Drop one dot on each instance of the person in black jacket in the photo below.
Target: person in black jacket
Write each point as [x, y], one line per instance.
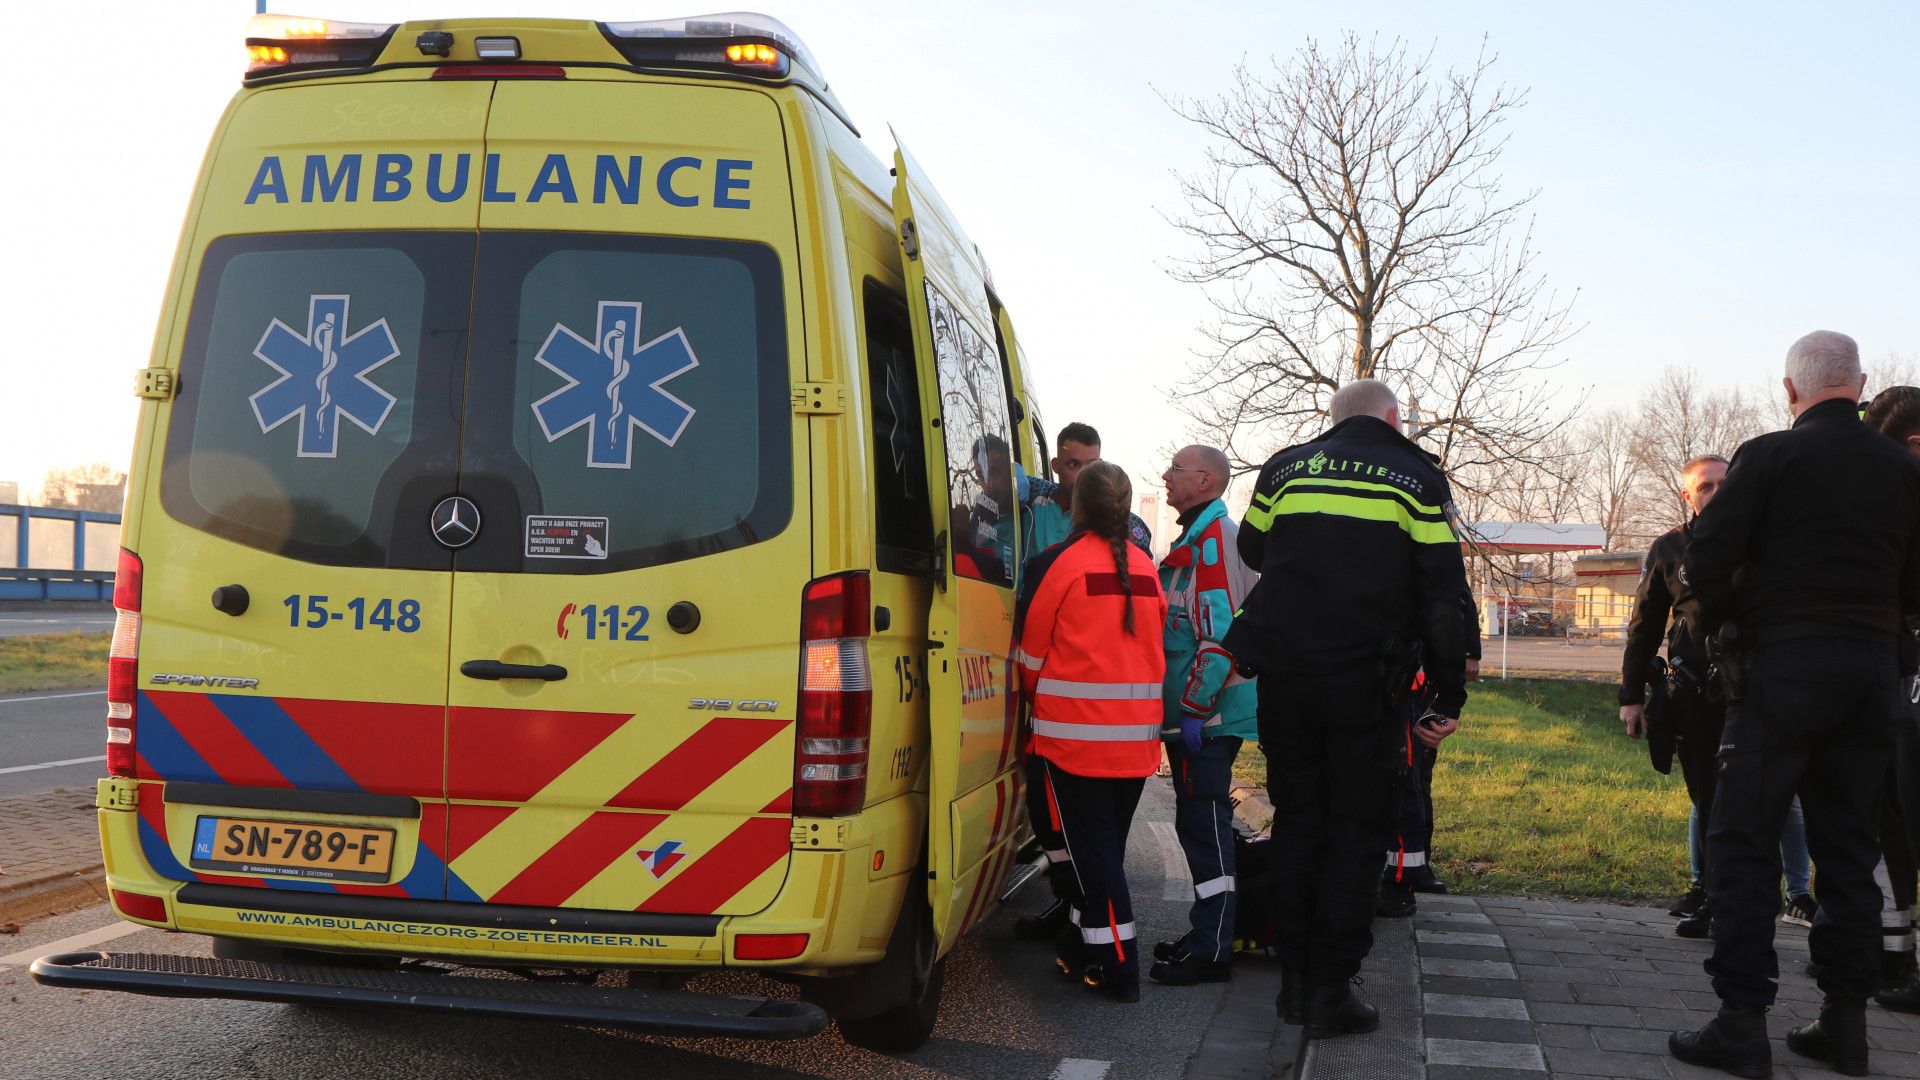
[1409, 868]
[1358, 563]
[1695, 709]
[1809, 554]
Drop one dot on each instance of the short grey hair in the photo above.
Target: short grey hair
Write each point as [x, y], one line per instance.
[1823, 360]
[1362, 397]
[1214, 461]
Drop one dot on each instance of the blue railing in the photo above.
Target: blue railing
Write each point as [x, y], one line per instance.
[60, 574]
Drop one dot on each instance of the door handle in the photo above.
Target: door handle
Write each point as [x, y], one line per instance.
[495, 669]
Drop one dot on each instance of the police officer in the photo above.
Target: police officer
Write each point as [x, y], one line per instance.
[1209, 708]
[1821, 525]
[1359, 567]
[1694, 711]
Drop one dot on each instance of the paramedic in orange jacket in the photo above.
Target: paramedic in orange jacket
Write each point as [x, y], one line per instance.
[1092, 667]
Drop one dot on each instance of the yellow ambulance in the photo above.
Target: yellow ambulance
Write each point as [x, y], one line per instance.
[572, 525]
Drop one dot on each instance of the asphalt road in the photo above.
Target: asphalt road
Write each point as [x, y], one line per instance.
[1006, 1014]
[24, 623]
[41, 729]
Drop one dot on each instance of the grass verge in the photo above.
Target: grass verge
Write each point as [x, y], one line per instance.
[76, 661]
[1540, 794]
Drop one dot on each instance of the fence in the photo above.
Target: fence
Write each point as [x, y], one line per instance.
[1582, 634]
[53, 554]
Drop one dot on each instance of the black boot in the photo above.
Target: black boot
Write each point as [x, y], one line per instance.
[1123, 988]
[1897, 969]
[1838, 1038]
[1697, 925]
[1337, 1010]
[1045, 925]
[1735, 1041]
[1396, 901]
[1904, 999]
[1292, 1002]
[1185, 969]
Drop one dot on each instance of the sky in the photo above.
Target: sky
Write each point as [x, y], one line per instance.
[1714, 179]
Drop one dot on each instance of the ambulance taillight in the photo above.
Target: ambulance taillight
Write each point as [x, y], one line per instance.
[280, 43]
[123, 660]
[836, 697]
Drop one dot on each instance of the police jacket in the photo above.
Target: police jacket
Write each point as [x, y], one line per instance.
[1205, 583]
[1821, 523]
[1351, 538]
[1663, 591]
[1095, 688]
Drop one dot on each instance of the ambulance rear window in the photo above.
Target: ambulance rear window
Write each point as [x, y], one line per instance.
[628, 398]
[311, 418]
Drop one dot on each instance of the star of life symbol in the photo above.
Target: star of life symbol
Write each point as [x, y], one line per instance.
[660, 861]
[323, 376]
[614, 385]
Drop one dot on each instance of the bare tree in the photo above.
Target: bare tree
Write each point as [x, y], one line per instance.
[1613, 483]
[95, 486]
[1678, 420]
[1351, 223]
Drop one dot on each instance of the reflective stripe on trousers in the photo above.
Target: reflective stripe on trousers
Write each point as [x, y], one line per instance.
[1204, 889]
[1105, 935]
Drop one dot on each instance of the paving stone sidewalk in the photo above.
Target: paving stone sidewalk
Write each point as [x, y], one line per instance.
[49, 854]
[1514, 989]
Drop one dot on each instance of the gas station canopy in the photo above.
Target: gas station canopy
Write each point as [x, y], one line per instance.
[1528, 538]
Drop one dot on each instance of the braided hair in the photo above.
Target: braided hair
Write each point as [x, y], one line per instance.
[1895, 412]
[1101, 499]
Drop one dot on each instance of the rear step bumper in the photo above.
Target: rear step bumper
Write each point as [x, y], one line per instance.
[663, 1012]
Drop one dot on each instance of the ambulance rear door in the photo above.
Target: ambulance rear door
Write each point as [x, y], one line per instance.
[297, 716]
[974, 778]
[625, 654]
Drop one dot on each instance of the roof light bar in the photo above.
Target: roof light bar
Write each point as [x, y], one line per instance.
[733, 40]
[277, 43]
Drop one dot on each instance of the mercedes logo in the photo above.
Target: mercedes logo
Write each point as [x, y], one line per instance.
[456, 521]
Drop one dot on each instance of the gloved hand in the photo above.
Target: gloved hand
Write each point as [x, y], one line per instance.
[1190, 726]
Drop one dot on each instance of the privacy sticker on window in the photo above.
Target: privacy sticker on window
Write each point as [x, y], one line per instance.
[566, 537]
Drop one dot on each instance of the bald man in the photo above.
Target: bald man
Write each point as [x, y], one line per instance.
[1209, 709]
[1361, 580]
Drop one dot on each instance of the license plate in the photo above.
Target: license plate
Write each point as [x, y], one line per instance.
[292, 849]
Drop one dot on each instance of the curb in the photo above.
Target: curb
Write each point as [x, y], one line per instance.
[53, 895]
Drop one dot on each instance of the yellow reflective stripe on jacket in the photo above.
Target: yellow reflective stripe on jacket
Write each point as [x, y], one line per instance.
[1392, 511]
[1366, 485]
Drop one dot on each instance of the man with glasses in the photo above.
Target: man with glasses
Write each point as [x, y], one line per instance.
[1209, 708]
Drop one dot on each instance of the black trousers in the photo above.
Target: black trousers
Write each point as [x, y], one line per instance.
[1407, 854]
[1046, 829]
[1096, 814]
[1335, 760]
[1817, 718]
[1697, 725]
[1906, 760]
